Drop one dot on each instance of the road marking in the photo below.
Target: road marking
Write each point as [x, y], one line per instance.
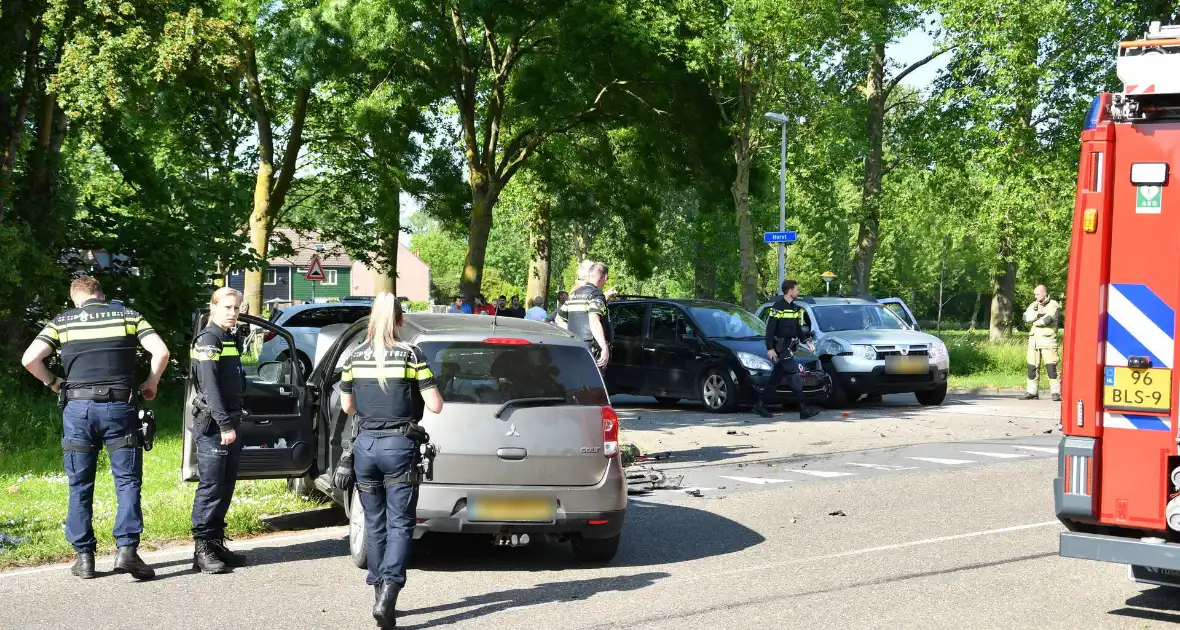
[996, 455]
[243, 545]
[820, 473]
[869, 550]
[756, 480]
[939, 460]
[881, 466]
[1039, 449]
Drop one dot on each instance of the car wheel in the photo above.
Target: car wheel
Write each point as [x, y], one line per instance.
[358, 536]
[304, 362]
[595, 550]
[932, 397]
[305, 487]
[718, 392]
[837, 395]
[664, 401]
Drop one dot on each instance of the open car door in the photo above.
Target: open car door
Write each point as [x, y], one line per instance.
[278, 434]
[903, 312]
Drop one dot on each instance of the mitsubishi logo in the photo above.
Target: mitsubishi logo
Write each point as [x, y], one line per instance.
[512, 431]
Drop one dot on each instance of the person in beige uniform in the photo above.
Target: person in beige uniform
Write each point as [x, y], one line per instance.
[1043, 315]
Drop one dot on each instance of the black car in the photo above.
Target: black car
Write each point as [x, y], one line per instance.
[703, 350]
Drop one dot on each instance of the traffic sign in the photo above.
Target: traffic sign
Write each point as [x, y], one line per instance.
[780, 237]
[315, 271]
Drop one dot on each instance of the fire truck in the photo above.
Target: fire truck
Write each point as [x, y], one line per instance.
[1117, 489]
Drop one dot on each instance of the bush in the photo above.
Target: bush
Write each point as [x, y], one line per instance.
[418, 306]
[30, 415]
[972, 353]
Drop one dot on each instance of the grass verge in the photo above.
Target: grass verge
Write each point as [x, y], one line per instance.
[34, 493]
[976, 363]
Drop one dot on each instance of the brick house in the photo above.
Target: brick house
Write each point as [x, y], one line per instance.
[283, 277]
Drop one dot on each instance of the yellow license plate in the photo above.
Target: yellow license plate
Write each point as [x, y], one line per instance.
[906, 365]
[1137, 389]
[514, 509]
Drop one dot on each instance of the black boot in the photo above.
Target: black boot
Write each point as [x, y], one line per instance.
[384, 608]
[205, 559]
[761, 410]
[1030, 397]
[223, 553]
[128, 561]
[1056, 397]
[84, 565]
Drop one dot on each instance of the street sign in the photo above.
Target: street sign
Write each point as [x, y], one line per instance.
[780, 237]
[315, 271]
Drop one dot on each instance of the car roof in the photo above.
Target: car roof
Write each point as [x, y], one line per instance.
[296, 308]
[827, 301]
[689, 302]
[458, 326]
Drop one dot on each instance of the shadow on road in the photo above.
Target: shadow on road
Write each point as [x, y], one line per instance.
[1161, 604]
[262, 556]
[680, 534]
[550, 592]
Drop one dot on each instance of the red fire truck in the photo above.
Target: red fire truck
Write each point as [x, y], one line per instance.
[1118, 484]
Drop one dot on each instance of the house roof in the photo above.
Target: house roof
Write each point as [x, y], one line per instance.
[332, 254]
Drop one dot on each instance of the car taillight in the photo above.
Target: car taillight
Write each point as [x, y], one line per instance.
[268, 336]
[610, 432]
[507, 341]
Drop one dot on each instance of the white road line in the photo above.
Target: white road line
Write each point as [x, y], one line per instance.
[869, 550]
[996, 455]
[939, 460]
[820, 473]
[244, 545]
[881, 466]
[1039, 449]
[756, 480]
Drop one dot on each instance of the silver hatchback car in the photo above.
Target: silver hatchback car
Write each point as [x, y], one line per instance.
[527, 442]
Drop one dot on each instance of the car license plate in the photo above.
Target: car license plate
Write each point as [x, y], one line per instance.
[1137, 389]
[906, 365]
[510, 509]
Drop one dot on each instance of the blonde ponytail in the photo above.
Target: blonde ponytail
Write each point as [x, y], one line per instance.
[383, 322]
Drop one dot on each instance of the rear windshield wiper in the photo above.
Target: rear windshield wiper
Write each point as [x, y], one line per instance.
[522, 402]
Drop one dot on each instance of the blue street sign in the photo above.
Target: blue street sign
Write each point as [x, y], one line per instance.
[780, 237]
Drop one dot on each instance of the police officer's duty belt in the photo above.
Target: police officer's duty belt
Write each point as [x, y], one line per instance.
[101, 394]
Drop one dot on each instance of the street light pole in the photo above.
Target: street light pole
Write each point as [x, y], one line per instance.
[782, 197]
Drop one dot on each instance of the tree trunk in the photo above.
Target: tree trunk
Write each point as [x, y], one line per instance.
[975, 311]
[540, 241]
[870, 204]
[389, 219]
[259, 234]
[704, 272]
[1002, 294]
[483, 200]
[749, 261]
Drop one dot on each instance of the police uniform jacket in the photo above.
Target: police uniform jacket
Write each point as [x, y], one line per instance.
[400, 402]
[220, 375]
[584, 301]
[784, 328]
[97, 342]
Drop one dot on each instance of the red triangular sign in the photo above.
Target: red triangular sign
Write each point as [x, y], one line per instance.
[315, 271]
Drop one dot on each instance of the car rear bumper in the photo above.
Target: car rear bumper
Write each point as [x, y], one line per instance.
[878, 381]
[594, 511]
[1119, 550]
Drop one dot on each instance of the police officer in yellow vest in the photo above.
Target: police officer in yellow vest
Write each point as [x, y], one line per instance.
[97, 341]
[1043, 315]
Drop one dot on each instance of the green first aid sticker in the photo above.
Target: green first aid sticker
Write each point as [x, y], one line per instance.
[1148, 199]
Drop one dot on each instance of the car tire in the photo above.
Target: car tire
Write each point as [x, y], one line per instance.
[358, 535]
[594, 550]
[305, 487]
[304, 362]
[665, 401]
[932, 397]
[717, 391]
[837, 395]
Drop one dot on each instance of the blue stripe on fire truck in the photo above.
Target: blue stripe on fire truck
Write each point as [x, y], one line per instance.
[1135, 421]
[1138, 323]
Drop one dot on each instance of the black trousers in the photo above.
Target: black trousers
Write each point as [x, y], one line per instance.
[217, 466]
[789, 367]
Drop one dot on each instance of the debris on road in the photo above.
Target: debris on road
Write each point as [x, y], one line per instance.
[694, 492]
[837, 513]
[642, 479]
[735, 432]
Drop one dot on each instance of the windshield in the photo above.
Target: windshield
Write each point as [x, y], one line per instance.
[732, 322]
[856, 317]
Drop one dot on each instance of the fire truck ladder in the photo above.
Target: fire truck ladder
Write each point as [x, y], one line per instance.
[1150, 71]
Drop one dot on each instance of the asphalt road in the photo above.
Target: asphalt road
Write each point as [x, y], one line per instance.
[912, 543]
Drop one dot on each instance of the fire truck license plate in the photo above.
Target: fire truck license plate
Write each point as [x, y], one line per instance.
[1146, 389]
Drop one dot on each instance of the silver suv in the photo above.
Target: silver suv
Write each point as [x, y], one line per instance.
[871, 347]
[527, 441]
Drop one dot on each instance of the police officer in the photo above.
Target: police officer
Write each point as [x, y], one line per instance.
[583, 313]
[220, 378]
[97, 342]
[784, 332]
[1043, 315]
[388, 384]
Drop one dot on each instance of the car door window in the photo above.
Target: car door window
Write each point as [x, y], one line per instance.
[627, 320]
[667, 323]
[320, 317]
[897, 310]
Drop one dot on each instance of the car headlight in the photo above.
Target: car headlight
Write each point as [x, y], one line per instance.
[938, 350]
[868, 353]
[831, 347]
[753, 361]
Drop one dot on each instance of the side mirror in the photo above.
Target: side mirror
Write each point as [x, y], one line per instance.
[274, 372]
[805, 330]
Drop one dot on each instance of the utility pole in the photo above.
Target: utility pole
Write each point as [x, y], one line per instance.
[782, 197]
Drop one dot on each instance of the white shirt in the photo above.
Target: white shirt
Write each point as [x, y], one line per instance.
[536, 314]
